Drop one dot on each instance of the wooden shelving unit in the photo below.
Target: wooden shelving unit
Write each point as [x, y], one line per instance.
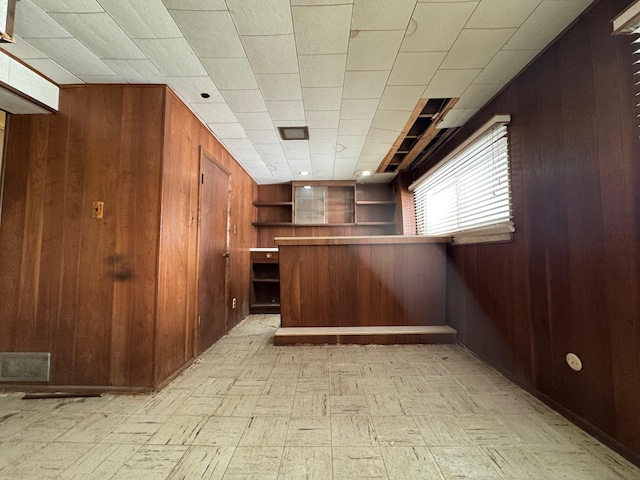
[265, 281]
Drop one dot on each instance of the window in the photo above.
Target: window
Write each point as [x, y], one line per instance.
[468, 194]
[628, 23]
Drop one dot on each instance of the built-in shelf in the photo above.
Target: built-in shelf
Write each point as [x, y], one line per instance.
[375, 202]
[372, 224]
[273, 204]
[265, 281]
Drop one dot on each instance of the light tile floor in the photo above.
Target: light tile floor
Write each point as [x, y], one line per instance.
[249, 410]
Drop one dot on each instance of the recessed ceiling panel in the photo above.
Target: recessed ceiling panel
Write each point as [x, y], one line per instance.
[323, 119]
[354, 127]
[227, 130]
[214, 112]
[54, 71]
[502, 13]
[261, 17]
[450, 83]
[255, 121]
[72, 55]
[76, 6]
[365, 84]
[323, 135]
[475, 48]
[271, 53]
[286, 109]
[263, 137]
[210, 33]
[231, 73]
[191, 88]
[376, 14]
[322, 70]
[322, 98]
[373, 50]
[280, 86]
[400, 97]
[355, 108]
[505, 65]
[100, 34]
[415, 68]
[136, 71]
[435, 26]
[322, 30]
[142, 18]
[241, 101]
[32, 22]
[172, 56]
[391, 120]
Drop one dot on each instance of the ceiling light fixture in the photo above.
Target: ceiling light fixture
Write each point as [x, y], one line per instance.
[304, 173]
[205, 95]
[366, 173]
[294, 133]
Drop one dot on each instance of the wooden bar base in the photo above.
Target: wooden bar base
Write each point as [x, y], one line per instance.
[380, 335]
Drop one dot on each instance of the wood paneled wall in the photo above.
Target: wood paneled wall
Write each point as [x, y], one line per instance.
[83, 288]
[184, 137]
[113, 300]
[570, 281]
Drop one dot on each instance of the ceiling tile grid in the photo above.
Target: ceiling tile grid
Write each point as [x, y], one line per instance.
[350, 70]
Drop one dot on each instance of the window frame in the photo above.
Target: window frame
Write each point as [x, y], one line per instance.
[499, 232]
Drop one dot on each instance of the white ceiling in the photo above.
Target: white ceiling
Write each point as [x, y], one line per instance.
[352, 70]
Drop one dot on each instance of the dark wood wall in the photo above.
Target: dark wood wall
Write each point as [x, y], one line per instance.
[570, 280]
[184, 138]
[113, 300]
[83, 288]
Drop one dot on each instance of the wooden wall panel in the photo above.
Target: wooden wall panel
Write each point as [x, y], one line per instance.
[570, 280]
[83, 287]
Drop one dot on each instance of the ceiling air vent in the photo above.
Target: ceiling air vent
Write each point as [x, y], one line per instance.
[294, 133]
[419, 134]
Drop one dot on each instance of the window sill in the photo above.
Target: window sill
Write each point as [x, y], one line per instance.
[502, 233]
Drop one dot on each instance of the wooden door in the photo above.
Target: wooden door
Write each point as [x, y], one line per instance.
[213, 248]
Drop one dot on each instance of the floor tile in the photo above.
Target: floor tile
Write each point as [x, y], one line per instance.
[102, 461]
[410, 463]
[199, 405]
[178, 430]
[464, 462]
[442, 431]
[358, 462]
[151, 462]
[222, 431]
[237, 406]
[385, 405]
[309, 405]
[48, 462]
[137, 429]
[397, 431]
[308, 463]
[265, 432]
[353, 432]
[276, 405]
[309, 432]
[349, 405]
[202, 462]
[255, 463]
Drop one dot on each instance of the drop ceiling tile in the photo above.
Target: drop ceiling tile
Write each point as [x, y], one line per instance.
[377, 135]
[230, 73]
[345, 164]
[373, 50]
[355, 108]
[247, 156]
[369, 161]
[195, 4]
[435, 26]
[322, 70]
[22, 77]
[321, 2]
[101, 79]
[323, 176]
[261, 17]
[545, 23]
[136, 71]
[501, 13]
[255, 121]
[322, 29]
[289, 123]
[322, 148]
[298, 156]
[70, 54]
[415, 68]
[457, 117]
[377, 149]
[354, 127]
[286, 109]
[505, 65]
[214, 112]
[270, 151]
[142, 18]
[22, 49]
[364, 84]
[323, 135]
[52, 70]
[172, 56]
[239, 145]
[381, 14]
[323, 119]
[75, 6]
[400, 97]
[263, 137]
[32, 22]
[450, 83]
[244, 100]
[391, 119]
[227, 130]
[476, 96]
[348, 155]
[100, 34]
[271, 53]
[475, 48]
[280, 86]
[351, 141]
[210, 33]
[190, 88]
[322, 98]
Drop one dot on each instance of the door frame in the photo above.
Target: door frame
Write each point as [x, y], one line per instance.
[206, 156]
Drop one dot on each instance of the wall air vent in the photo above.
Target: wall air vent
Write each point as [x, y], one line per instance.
[24, 366]
[419, 134]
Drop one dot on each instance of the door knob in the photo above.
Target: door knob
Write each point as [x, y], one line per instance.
[226, 254]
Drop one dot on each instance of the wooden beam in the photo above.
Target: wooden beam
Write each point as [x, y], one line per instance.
[427, 136]
[394, 148]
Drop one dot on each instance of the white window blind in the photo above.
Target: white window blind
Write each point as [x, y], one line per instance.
[636, 73]
[469, 190]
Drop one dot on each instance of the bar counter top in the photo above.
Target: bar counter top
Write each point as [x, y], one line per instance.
[365, 240]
